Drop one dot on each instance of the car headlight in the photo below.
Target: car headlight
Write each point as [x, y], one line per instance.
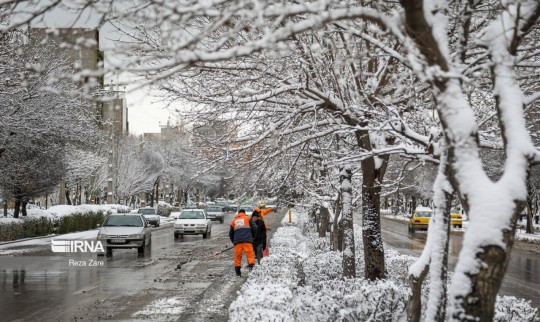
[135, 236]
[101, 236]
[201, 225]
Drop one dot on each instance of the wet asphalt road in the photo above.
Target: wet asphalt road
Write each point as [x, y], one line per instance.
[522, 278]
[187, 276]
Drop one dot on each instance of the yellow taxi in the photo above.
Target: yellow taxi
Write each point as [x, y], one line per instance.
[456, 220]
[420, 219]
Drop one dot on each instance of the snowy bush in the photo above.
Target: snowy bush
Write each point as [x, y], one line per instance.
[57, 219]
[27, 226]
[511, 309]
[38, 222]
[164, 209]
[80, 221]
[302, 280]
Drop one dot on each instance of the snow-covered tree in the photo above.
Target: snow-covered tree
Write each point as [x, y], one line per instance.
[470, 55]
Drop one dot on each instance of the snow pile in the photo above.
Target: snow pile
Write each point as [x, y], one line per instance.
[167, 306]
[302, 281]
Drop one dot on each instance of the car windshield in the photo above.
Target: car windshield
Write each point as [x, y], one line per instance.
[131, 221]
[187, 214]
[147, 211]
[214, 209]
[455, 211]
[423, 214]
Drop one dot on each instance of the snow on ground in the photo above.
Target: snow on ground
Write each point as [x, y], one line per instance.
[301, 281]
[167, 306]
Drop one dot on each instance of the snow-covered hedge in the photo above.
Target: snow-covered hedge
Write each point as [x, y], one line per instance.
[302, 280]
[164, 209]
[57, 219]
[11, 229]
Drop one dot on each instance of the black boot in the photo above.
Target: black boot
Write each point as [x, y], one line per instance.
[237, 270]
[250, 266]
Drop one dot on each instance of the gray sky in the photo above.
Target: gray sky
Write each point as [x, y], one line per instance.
[145, 114]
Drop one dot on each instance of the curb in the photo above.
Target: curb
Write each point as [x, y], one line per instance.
[25, 239]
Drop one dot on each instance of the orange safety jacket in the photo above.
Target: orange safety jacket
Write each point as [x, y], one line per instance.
[242, 229]
[264, 212]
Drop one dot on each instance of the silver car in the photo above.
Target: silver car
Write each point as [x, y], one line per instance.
[151, 215]
[125, 231]
[215, 213]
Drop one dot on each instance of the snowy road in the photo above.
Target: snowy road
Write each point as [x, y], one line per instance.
[178, 280]
[521, 280]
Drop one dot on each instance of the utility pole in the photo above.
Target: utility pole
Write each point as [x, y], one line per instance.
[111, 174]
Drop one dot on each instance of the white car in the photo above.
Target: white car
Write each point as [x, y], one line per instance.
[215, 212]
[151, 215]
[125, 231]
[193, 222]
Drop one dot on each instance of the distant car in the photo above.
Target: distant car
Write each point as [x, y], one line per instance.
[248, 208]
[193, 222]
[216, 213]
[151, 215]
[420, 219]
[125, 231]
[190, 206]
[223, 205]
[456, 220]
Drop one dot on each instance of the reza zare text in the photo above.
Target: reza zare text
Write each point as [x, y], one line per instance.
[89, 262]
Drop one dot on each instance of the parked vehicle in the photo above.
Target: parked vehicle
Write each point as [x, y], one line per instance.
[224, 205]
[125, 231]
[456, 219]
[193, 222]
[151, 215]
[215, 212]
[420, 219]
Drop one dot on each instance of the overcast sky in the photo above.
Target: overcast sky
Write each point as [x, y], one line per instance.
[145, 113]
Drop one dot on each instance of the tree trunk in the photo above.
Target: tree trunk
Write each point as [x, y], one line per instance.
[438, 239]
[414, 303]
[17, 208]
[336, 227]
[68, 198]
[23, 208]
[529, 229]
[324, 215]
[373, 244]
[5, 208]
[349, 258]
[478, 304]
[372, 177]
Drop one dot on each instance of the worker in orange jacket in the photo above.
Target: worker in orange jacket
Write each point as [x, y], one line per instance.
[242, 232]
[264, 211]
